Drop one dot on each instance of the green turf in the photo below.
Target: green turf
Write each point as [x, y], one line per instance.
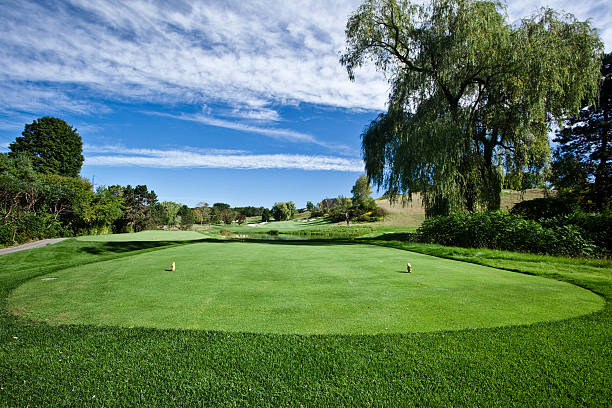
[550, 364]
[304, 288]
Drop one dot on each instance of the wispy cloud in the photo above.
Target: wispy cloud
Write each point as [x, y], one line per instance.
[189, 159]
[248, 55]
[276, 133]
[224, 51]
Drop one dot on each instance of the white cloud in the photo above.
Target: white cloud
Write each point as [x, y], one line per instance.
[189, 159]
[276, 133]
[248, 55]
[229, 52]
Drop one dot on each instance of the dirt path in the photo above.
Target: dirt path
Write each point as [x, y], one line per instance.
[31, 245]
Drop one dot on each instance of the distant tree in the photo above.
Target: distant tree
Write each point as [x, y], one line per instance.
[106, 209]
[197, 215]
[240, 218]
[169, 213]
[215, 215]
[69, 200]
[221, 206]
[584, 144]
[138, 203]
[249, 211]
[227, 215]
[187, 218]
[569, 172]
[53, 146]
[343, 210]
[292, 210]
[327, 204]
[310, 206]
[472, 95]
[265, 215]
[361, 195]
[283, 211]
[279, 211]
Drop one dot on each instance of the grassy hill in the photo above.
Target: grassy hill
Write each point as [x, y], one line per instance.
[412, 213]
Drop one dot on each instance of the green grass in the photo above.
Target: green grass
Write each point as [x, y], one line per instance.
[144, 236]
[296, 288]
[561, 363]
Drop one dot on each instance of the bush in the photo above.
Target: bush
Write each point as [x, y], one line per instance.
[596, 227]
[546, 207]
[498, 230]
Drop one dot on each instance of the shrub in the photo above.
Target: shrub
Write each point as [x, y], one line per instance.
[498, 230]
[596, 227]
[545, 207]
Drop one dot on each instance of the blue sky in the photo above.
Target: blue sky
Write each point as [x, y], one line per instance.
[216, 101]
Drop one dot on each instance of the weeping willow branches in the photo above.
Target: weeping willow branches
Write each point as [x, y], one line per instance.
[472, 96]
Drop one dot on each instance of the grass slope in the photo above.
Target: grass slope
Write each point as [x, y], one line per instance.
[298, 287]
[563, 363]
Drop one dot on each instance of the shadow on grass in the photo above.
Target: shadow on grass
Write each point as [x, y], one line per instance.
[101, 248]
[395, 236]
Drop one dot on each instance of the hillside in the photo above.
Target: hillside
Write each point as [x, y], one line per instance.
[412, 213]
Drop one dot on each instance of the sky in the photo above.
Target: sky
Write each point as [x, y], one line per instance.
[242, 102]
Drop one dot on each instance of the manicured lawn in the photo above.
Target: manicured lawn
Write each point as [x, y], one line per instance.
[148, 236]
[296, 288]
[560, 363]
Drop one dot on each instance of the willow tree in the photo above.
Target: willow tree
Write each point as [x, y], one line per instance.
[472, 96]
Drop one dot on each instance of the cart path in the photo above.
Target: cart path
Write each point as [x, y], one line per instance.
[31, 245]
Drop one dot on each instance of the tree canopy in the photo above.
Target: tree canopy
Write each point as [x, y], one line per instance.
[53, 146]
[584, 151]
[283, 211]
[472, 96]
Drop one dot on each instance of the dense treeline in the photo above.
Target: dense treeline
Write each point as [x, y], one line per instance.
[36, 205]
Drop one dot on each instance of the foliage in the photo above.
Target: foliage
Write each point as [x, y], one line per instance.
[266, 215]
[138, 204]
[472, 95]
[498, 230]
[53, 146]
[37, 206]
[240, 218]
[249, 211]
[227, 215]
[221, 206]
[545, 207]
[595, 227]
[187, 218]
[215, 215]
[583, 157]
[106, 209]
[361, 193]
[568, 172]
[310, 206]
[283, 211]
[169, 210]
[342, 210]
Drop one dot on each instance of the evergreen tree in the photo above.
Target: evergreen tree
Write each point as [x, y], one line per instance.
[584, 145]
